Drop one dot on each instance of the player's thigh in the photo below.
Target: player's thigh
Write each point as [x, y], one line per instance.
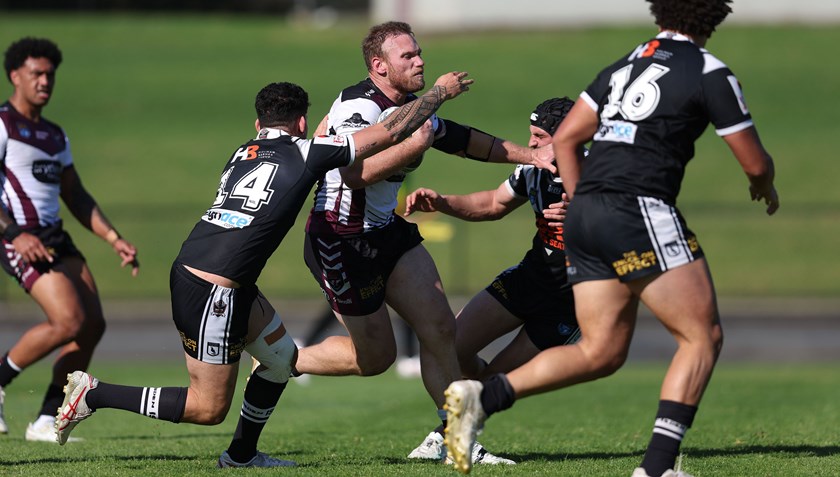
[56, 293]
[519, 351]
[211, 384]
[606, 312]
[683, 299]
[372, 335]
[482, 320]
[79, 272]
[415, 291]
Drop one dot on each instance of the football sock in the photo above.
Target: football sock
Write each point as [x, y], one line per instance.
[261, 397]
[159, 403]
[52, 400]
[497, 394]
[8, 370]
[672, 421]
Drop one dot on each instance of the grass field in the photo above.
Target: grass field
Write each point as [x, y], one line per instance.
[757, 421]
[155, 104]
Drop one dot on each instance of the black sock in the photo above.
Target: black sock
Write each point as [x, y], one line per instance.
[672, 421]
[261, 397]
[440, 429]
[160, 403]
[53, 399]
[7, 372]
[497, 394]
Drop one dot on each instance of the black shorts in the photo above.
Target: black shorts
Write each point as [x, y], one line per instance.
[626, 237]
[212, 320]
[548, 312]
[352, 270]
[56, 240]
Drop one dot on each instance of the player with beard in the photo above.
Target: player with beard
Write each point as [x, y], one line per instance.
[365, 256]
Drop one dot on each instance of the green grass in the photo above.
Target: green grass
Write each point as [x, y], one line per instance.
[155, 104]
[756, 420]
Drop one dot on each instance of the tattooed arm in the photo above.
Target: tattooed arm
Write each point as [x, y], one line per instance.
[408, 118]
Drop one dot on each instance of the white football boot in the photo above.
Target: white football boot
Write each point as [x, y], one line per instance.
[43, 430]
[465, 417]
[4, 429]
[433, 448]
[74, 409]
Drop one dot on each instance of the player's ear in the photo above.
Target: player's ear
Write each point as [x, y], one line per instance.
[257, 124]
[378, 66]
[302, 126]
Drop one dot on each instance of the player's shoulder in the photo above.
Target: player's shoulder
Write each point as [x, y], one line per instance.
[365, 90]
[712, 63]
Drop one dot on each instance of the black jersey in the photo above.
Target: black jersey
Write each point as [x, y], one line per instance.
[262, 189]
[547, 253]
[653, 105]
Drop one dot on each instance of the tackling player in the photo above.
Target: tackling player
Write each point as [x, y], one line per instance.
[625, 239]
[217, 308]
[365, 256]
[36, 168]
[535, 295]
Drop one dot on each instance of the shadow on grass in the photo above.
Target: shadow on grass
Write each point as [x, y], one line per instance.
[810, 450]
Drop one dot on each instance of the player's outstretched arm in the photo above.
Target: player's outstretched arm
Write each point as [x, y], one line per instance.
[82, 205]
[409, 117]
[476, 207]
[757, 164]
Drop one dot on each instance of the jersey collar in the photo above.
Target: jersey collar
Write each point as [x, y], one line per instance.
[271, 133]
[673, 35]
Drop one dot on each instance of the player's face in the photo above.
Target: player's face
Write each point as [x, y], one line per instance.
[539, 137]
[34, 81]
[405, 66]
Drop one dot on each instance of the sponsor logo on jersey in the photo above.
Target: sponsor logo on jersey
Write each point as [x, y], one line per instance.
[736, 88]
[24, 131]
[228, 219]
[616, 131]
[47, 171]
[354, 121]
[246, 153]
[330, 140]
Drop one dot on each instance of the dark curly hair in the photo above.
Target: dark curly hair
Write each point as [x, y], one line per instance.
[691, 17]
[29, 47]
[281, 104]
[548, 114]
[372, 44]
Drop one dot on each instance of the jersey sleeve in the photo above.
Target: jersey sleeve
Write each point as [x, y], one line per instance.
[723, 98]
[4, 139]
[347, 117]
[329, 152]
[65, 156]
[594, 94]
[517, 184]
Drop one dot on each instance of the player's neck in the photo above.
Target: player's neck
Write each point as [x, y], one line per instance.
[395, 95]
[25, 108]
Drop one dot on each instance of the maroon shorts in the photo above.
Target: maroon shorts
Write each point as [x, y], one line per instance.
[353, 270]
[57, 242]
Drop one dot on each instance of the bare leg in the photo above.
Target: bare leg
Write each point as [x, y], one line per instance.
[415, 291]
[481, 321]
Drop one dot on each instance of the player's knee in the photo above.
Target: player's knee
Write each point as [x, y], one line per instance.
[606, 360]
[276, 351]
[372, 364]
[210, 414]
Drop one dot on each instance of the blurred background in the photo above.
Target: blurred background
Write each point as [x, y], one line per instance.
[155, 95]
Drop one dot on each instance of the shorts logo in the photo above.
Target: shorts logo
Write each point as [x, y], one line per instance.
[673, 249]
[213, 349]
[219, 308]
[228, 219]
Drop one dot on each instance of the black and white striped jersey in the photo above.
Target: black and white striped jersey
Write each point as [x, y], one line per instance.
[262, 189]
[653, 104]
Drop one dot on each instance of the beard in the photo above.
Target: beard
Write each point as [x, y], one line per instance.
[407, 83]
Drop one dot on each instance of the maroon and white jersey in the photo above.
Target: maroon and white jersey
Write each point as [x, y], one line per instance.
[337, 208]
[33, 156]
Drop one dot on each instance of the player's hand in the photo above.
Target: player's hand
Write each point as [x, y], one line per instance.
[556, 212]
[321, 130]
[770, 197]
[128, 255]
[425, 134]
[543, 158]
[454, 83]
[31, 248]
[423, 200]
